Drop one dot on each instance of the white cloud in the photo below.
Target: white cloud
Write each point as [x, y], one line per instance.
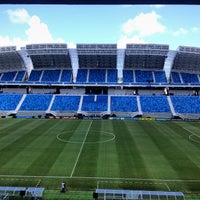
[195, 29]
[144, 25]
[136, 29]
[180, 31]
[18, 16]
[37, 31]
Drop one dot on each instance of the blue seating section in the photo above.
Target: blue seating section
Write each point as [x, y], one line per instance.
[175, 77]
[9, 101]
[128, 76]
[20, 76]
[8, 76]
[66, 103]
[93, 103]
[97, 75]
[160, 77]
[123, 104]
[186, 104]
[143, 76]
[82, 76]
[36, 102]
[51, 75]
[112, 76]
[189, 78]
[35, 75]
[66, 76]
[157, 104]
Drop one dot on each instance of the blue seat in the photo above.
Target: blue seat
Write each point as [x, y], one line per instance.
[123, 104]
[95, 103]
[35, 75]
[186, 104]
[112, 76]
[65, 103]
[34, 102]
[9, 101]
[154, 104]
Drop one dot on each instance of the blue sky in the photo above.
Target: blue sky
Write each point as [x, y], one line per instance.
[121, 24]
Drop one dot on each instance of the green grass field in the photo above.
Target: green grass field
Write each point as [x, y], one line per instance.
[144, 155]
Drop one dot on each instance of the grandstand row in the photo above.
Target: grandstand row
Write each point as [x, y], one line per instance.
[142, 80]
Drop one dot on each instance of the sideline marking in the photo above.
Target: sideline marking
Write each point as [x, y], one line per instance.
[81, 149]
[104, 178]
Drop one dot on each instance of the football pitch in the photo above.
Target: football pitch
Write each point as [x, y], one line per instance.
[107, 154]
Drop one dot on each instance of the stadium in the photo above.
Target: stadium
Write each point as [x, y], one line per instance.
[113, 123]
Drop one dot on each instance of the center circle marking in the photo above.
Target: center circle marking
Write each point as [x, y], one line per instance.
[108, 134]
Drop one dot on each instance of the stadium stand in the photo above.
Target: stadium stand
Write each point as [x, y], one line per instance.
[51, 75]
[112, 76]
[124, 104]
[34, 102]
[66, 103]
[66, 76]
[35, 75]
[95, 103]
[145, 80]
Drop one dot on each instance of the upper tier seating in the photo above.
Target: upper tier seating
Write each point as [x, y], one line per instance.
[20, 76]
[154, 104]
[143, 76]
[35, 75]
[9, 101]
[36, 102]
[51, 75]
[93, 103]
[66, 76]
[186, 104]
[65, 103]
[8, 76]
[97, 75]
[175, 77]
[160, 77]
[123, 104]
[82, 76]
[128, 76]
[112, 76]
[189, 78]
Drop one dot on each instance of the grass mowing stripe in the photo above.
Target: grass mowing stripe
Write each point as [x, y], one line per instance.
[176, 157]
[18, 142]
[154, 161]
[11, 128]
[107, 164]
[81, 149]
[129, 158]
[46, 155]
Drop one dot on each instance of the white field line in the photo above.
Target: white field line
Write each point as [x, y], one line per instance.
[191, 133]
[101, 178]
[81, 149]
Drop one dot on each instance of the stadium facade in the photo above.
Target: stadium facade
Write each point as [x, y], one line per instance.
[100, 80]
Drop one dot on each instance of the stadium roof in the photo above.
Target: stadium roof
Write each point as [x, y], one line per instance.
[10, 59]
[145, 56]
[187, 59]
[97, 55]
[49, 55]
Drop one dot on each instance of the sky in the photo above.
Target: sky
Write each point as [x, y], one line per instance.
[173, 25]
